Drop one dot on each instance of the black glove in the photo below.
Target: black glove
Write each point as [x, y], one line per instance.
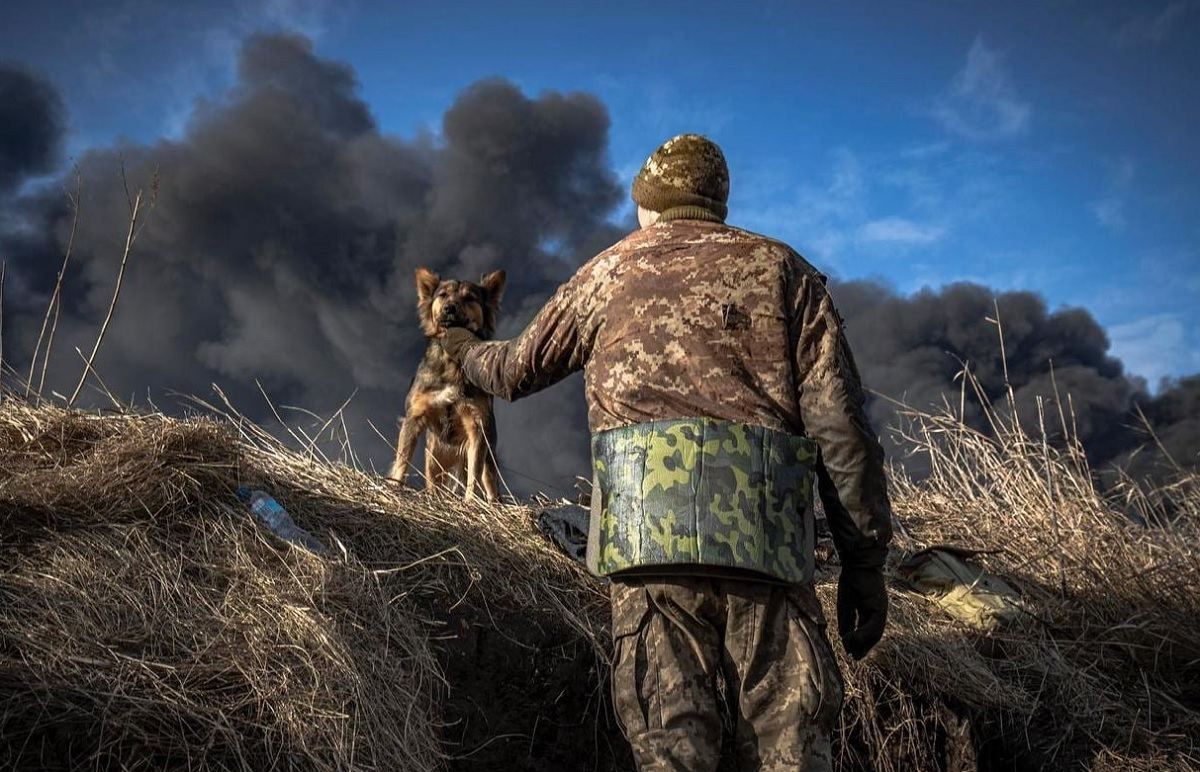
[456, 341]
[862, 604]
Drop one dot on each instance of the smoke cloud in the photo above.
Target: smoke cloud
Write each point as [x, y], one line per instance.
[287, 226]
[31, 126]
[913, 349]
[284, 236]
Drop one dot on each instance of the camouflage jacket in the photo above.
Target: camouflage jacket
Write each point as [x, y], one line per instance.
[688, 318]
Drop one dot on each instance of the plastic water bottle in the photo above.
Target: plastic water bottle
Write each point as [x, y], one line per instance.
[271, 513]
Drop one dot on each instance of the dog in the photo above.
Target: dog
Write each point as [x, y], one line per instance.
[457, 418]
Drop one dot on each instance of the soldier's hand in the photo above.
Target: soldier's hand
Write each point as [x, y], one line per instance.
[862, 604]
[456, 341]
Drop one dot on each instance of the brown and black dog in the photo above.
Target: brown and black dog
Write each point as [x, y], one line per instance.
[456, 417]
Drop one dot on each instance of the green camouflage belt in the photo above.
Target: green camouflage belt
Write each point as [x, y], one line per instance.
[698, 491]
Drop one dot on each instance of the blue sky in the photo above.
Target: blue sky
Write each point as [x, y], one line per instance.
[1047, 146]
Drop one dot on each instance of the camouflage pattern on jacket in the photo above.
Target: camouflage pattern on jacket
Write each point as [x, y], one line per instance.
[673, 640]
[701, 491]
[688, 318]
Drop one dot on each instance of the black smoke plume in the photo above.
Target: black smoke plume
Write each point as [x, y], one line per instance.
[286, 229]
[285, 235]
[914, 349]
[31, 126]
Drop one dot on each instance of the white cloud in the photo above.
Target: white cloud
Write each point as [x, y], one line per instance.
[1152, 29]
[981, 102]
[667, 108]
[1110, 213]
[1156, 346]
[898, 230]
[1109, 209]
[833, 219]
[844, 193]
[213, 65]
[307, 16]
[925, 150]
[818, 219]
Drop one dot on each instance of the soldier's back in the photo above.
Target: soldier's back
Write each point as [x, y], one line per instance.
[689, 318]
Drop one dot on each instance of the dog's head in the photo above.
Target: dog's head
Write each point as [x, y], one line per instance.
[447, 303]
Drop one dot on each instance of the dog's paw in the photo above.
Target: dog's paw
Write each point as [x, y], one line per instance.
[398, 482]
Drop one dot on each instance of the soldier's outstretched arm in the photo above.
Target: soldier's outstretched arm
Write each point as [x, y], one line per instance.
[548, 350]
[851, 476]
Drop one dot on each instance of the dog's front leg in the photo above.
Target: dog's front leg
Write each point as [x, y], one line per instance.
[491, 475]
[434, 471]
[475, 460]
[406, 443]
[473, 466]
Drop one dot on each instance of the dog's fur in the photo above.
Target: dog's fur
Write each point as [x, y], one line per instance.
[456, 417]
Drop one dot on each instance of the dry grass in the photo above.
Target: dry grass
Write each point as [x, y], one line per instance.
[146, 622]
[1105, 671]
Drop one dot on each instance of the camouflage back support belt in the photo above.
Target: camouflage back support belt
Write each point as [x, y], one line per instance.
[699, 491]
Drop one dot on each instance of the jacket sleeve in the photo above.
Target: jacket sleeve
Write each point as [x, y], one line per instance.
[850, 476]
[548, 350]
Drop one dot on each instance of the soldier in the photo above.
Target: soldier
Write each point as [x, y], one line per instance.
[719, 385]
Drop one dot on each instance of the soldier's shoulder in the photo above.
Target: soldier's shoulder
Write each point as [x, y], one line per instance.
[616, 251]
[632, 246]
[604, 264]
[785, 252]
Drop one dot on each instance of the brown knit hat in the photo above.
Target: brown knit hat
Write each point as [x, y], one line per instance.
[687, 170]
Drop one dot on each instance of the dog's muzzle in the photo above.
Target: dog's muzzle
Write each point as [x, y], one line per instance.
[448, 319]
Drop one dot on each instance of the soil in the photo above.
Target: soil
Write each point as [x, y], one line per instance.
[524, 697]
[527, 698]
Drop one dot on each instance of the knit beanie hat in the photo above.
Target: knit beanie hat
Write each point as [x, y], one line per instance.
[687, 170]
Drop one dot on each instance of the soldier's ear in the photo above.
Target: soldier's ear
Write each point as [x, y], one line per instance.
[427, 284]
[493, 286]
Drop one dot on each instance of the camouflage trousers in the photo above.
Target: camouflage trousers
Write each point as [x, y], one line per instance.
[673, 639]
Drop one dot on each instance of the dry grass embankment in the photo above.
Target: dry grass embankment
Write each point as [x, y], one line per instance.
[147, 623]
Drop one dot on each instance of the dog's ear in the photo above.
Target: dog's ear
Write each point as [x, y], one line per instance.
[493, 287]
[427, 284]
